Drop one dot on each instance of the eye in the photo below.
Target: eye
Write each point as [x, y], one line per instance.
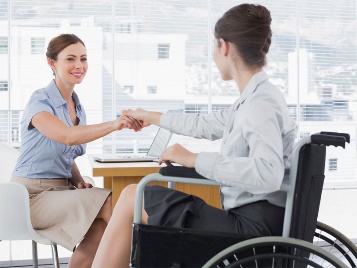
[70, 59]
[83, 59]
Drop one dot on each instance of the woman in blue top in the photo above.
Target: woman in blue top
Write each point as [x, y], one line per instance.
[257, 136]
[63, 207]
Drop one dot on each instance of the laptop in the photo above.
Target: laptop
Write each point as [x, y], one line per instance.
[157, 146]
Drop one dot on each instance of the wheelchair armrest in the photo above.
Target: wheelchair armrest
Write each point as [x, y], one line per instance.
[180, 171]
[330, 138]
[158, 177]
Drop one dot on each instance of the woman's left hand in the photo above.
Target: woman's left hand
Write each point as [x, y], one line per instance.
[178, 154]
[83, 185]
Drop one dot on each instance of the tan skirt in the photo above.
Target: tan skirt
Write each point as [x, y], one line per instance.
[59, 211]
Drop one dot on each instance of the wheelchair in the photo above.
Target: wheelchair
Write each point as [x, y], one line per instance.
[305, 242]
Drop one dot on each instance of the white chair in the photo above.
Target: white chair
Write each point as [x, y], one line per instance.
[15, 223]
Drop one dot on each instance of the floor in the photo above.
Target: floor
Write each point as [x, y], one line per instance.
[43, 263]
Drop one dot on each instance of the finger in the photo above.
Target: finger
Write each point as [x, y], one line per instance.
[127, 121]
[137, 125]
[168, 163]
[132, 124]
[80, 185]
[128, 112]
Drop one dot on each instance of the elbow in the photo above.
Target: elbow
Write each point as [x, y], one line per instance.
[70, 141]
[275, 180]
[275, 186]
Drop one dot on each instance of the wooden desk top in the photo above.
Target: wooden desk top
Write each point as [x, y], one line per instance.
[123, 169]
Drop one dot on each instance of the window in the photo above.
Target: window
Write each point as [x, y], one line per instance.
[125, 28]
[15, 135]
[129, 89]
[163, 51]
[137, 47]
[38, 45]
[152, 89]
[4, 86]
[3, 45]
[332, 164]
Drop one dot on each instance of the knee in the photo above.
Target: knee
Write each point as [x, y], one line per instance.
[128, 192]
[127, 196]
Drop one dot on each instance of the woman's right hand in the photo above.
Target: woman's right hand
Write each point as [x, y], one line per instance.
[127, 121]
[178, 154]
[146, 118]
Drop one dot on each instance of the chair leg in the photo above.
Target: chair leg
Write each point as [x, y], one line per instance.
[55, 256]
[34, 254]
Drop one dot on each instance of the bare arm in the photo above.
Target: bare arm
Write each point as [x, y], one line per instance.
[54, 128]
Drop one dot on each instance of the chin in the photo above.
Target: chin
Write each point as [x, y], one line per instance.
[226, 78]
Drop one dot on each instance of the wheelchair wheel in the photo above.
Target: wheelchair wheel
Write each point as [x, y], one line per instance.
[331, 240]
[274, 252]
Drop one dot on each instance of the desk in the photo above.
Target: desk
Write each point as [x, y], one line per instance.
[118, 175]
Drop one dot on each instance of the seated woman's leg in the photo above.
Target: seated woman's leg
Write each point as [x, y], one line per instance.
[114, 249]
[84, 253]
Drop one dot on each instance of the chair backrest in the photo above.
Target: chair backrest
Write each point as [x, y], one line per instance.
[308, 190]
[309, 176]
[8, 158]
[15, 221]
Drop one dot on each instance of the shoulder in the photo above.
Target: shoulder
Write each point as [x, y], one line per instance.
[39, 94]
[40, 100]
[266, 92]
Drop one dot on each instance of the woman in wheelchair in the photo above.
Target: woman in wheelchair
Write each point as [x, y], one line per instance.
[257, 136]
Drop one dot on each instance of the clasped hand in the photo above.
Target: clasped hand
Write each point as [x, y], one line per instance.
[128, 122]
[172, 154]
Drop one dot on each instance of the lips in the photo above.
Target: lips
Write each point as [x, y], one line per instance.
[78, 75]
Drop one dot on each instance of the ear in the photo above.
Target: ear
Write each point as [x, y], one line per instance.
[51, 63]
[224, 46]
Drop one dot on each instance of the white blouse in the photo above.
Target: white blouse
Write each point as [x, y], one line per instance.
[257, 138]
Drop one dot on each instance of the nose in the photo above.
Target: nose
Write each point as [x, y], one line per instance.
[79, 65]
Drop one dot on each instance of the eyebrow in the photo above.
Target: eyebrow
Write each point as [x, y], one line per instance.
[70, 55]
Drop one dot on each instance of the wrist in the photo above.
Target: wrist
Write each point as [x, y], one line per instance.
[154, 118]
[114, 125]
[192, 160]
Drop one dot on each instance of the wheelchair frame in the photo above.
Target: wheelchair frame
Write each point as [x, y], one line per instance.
[323, 138]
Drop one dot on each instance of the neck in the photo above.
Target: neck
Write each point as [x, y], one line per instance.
[65, 90]
[243, 77]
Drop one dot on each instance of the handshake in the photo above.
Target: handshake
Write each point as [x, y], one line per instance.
[137, 119]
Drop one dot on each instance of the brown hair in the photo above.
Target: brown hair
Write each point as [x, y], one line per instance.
[57, 44]
[247, 27]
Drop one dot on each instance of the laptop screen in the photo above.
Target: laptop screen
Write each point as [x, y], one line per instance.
[159, 143]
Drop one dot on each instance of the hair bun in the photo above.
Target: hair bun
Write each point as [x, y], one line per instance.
[259, 12]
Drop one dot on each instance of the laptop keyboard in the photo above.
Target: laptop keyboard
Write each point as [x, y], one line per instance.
[133, 156]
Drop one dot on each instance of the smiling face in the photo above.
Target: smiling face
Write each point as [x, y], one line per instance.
[71, 65]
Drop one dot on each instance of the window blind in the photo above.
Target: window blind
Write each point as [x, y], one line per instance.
[157, 55]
